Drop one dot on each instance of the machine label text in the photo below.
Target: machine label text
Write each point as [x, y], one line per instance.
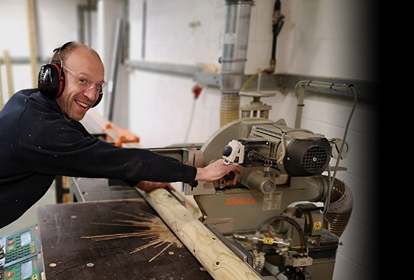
[272, 201]
[240, 200]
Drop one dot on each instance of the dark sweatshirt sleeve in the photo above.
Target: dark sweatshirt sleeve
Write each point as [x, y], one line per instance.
[52, 145]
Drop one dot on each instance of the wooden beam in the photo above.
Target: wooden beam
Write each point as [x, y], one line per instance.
[1, 89]
[9, 72]
[31, 19]
[212, 253]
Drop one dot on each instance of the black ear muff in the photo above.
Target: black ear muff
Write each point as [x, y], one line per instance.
[51, 80]
[98, 100]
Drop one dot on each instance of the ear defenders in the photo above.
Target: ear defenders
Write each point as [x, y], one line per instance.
[51, 78]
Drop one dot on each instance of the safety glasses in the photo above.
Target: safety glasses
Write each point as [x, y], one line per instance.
[85, 83]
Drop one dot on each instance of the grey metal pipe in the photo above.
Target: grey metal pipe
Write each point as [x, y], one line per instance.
[236, 35]
[144, 29]
[316, 84]
[81, 22]
[116, 58]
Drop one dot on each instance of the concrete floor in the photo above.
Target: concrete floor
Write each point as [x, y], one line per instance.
[29, 218]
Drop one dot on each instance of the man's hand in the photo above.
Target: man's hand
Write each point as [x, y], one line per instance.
[148, 186]
[216, 171]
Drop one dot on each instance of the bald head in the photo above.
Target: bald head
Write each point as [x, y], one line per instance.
[68, 49]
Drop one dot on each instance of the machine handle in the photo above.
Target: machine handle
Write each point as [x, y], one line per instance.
[229, 176]
[193, 184]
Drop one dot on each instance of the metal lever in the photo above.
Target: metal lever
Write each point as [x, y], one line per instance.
[229, 176]
[193, 184]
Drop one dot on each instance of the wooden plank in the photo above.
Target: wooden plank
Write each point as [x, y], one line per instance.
[70, 250]
[9, 71]
[213, 254]
[1, 89]
[31, 20]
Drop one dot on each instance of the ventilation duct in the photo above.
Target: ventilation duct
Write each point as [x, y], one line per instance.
[236, 35]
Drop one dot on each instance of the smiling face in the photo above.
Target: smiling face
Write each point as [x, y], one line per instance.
[83, 65]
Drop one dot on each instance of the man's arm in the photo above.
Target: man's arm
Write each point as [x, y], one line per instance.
[213, 172]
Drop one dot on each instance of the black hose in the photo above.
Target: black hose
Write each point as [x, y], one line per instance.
[255, 156]
[277, 26]
[340, 208]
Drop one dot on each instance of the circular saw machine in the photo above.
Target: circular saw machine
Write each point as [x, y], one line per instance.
[275, 213]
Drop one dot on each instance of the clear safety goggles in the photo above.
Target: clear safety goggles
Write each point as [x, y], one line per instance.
[85, 83]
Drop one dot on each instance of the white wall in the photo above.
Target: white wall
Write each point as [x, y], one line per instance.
[326, 38]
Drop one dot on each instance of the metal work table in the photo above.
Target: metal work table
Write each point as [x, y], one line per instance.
[68, 254]
[85, 189]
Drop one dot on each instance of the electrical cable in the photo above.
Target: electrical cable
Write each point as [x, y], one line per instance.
[255, 156]
[291, 221]
[345, 134]
[296, 225]
[301, 237]
[190, 121]
[247, 82]
[328, 195]
[197, 91]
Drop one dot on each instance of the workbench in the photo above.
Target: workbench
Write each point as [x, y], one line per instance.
[70, 252]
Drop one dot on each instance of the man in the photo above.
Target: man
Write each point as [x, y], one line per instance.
[41, 137]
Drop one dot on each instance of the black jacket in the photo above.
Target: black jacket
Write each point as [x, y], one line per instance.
[37, 143]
